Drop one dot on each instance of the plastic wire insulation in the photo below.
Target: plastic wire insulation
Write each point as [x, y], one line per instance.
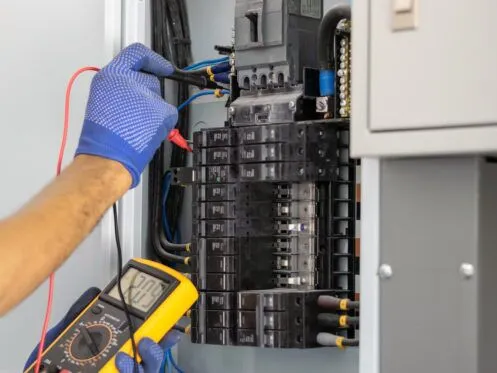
[173, 362]
[51, 282]
[205, 63]
[66, 112]
[223, 78]
[169, 242]
[223, 67]
[168, 361]
[334, 303]
[171, 39]
[166, 182]
[353, 305]
[333, 320]
[158, 237]
[326, 33]
[200, 94]
[332, 340]
[119, 287]
[351, 343]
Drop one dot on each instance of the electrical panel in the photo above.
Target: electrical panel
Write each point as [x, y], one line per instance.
[276, 194]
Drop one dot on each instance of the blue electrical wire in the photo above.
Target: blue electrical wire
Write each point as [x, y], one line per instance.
[206, 63]
[200, 94]
[168, 361]
[171, 360]
[164, 362]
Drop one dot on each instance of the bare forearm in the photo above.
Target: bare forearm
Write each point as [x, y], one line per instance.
[41, 236]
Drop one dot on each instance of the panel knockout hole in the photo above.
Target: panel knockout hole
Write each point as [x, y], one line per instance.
[298, 301]
[299, 339]
[298, 320]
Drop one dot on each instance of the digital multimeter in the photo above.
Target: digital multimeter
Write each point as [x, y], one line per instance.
[157, 297]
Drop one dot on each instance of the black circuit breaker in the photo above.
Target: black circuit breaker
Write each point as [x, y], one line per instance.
[266, 216]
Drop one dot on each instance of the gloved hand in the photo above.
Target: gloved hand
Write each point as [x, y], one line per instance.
[126, 118]
[78, 307]
[151, 353]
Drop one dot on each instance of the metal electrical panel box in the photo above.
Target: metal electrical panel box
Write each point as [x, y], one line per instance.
[424, 80]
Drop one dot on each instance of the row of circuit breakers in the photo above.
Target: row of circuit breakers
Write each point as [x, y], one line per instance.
[275, 193]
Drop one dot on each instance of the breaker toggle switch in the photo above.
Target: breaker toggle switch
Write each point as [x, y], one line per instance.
[405, 14]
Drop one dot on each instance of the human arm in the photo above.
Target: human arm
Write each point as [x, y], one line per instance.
[126, 120]
[41, 236]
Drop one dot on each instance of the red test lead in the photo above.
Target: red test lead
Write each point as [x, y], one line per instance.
[176, 138]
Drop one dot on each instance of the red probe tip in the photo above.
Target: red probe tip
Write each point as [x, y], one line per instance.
[176, 138]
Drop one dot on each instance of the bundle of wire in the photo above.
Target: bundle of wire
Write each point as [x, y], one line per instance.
[206, 63]
[171, 39]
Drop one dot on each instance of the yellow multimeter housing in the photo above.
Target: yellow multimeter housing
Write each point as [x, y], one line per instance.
[157, 297]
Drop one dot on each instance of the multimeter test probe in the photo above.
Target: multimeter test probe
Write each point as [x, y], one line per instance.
[157, 297]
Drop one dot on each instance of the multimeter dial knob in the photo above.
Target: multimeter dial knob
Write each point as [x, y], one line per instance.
[90, 342]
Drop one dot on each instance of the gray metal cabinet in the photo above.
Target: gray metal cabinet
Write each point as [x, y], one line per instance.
[428, 85]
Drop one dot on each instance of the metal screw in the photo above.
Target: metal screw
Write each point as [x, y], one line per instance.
[385, 272]
[291, 105]
[301, 171]
[303, 281]
[467, 270]
[231, 110]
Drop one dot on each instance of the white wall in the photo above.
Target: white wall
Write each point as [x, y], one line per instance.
[42, 43]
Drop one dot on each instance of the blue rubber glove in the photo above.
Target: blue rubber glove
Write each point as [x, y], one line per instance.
[151, 353]
[126, 118]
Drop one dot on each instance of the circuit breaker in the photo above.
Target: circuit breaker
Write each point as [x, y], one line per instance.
[275, 192]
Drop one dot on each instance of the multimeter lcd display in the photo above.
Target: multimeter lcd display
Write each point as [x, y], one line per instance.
[141, 290]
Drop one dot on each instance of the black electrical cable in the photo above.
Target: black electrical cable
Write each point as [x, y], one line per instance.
[168, 41]
[332, 320]
[156, 230]
[332, 340]
[179, 37]
[326, 33]
[120, 290]
[334, 303]
[351, 342]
